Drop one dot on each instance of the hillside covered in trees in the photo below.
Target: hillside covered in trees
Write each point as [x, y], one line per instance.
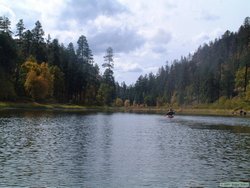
[217, 72]
[36, 68]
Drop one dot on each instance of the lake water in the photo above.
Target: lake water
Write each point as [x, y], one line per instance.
[48, 149]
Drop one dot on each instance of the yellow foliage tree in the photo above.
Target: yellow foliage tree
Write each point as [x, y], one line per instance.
[39, 81]
[118, 102]
[127, 103]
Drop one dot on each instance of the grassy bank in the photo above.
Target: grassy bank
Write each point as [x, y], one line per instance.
[158, 110]
[56, 107]
[42, 106]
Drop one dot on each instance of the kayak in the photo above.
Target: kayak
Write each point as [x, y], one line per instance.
[170, 116]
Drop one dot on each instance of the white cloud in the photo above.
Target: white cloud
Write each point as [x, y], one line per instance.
[130, 67]
[120, 39]
[6, 11]
[202, 37]
[208, 16]
[90, 9]
[205, 37]
[159, 41]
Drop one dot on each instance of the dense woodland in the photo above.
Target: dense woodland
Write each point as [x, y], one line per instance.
[217, 73]
[37, 68]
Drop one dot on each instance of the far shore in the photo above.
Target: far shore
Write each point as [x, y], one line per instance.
[157, 110]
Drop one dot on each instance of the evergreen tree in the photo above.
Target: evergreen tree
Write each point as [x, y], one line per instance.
[54, 55]
[108, 58]
[107, 87]
[5, 25]
[8, 58]
[20, 29]
[27, 44]
[38, 33]
[38, 49]
[108, 75]
[83, 52]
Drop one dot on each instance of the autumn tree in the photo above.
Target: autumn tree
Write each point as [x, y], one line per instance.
[39, 81]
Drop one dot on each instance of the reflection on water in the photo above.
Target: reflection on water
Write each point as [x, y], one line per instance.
[41, 149]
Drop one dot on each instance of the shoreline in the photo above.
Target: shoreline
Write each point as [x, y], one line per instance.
[78, 108]
[190, 111]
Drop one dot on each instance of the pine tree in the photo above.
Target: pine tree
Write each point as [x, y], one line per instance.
[107, 87]
[38, 45]
[38, 33]
[20, 29]
[83, 52]
[5, 25]
[108, 58]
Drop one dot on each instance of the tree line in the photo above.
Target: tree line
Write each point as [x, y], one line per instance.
[218, 73]
[35, 68]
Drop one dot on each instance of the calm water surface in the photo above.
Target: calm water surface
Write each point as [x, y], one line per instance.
[46, 149]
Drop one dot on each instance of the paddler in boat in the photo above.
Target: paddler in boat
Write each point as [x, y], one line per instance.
[170, 113]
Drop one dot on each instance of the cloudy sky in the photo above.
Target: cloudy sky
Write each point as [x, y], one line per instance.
[143, 33]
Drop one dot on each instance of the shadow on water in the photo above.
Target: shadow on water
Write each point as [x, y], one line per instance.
[234, 129]
[235, 125]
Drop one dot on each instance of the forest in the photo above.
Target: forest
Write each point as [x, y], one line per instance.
[37, 68]
[217, 74]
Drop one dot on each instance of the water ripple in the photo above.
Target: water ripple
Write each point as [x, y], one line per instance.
[121, 150]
